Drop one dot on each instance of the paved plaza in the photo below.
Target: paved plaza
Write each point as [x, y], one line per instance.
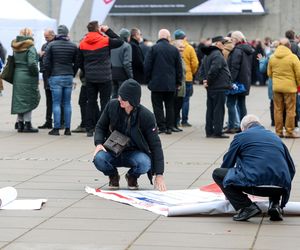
[58, 168]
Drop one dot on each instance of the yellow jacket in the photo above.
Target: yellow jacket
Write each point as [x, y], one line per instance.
[284, 69]
[191, 61]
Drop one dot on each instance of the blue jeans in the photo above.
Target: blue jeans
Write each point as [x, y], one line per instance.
[233, 116]
[61, 89]
[138, 162]
[186, 102]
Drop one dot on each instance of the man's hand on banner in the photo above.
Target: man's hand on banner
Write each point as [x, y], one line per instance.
[159, 183]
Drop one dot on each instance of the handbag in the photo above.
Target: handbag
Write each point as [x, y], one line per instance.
[9, 70]
[116, 143]
[237, 88]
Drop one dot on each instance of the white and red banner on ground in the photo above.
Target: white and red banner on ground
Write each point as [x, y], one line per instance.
[207, 200]
[70, 9]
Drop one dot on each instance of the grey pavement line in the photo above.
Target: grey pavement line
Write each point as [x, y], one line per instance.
[12, 241]
[63, 163]
[42, 159]
[257, 232]
[207, 169]
[141, 233]
[39, 146]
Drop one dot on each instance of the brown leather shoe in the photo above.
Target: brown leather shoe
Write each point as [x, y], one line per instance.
[114, 182]
[132, 182]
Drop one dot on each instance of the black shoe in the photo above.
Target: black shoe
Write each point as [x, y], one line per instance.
[222, 136]
[20, 126]
[275, 212]
[168, 131]
[79, 129]
[131, 182]
[67, 131]
[29, 129]
[46, 125]
[186, 124]
[16, 125]
[161, 131]
[247, 212]
[176, 130]
[179, 129]
[54, 131]
[90, 133]
[114, 182]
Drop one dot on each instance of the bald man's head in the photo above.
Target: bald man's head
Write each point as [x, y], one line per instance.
[285, 42]
[164, 33]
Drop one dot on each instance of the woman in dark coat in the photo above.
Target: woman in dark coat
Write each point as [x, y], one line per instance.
[26, 95]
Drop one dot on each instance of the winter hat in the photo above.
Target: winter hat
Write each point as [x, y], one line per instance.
[131, 91]
[124, 33]
[62, 30]
[179, 34]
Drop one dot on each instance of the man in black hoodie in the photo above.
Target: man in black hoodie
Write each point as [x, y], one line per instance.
[143, 153]
[217, 80]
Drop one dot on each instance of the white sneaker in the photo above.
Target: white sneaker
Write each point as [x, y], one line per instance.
[296, 129]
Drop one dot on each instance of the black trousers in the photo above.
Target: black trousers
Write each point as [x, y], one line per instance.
[215, 110]
[236, 195]
[115, 88]
[103, 89]
[178, 102]
[83, 103]
[158, 100]
[48, 106]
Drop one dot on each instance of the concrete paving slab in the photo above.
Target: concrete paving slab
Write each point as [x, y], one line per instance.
[58, 168]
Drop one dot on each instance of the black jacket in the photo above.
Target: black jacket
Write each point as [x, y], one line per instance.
[216, 70]
[240, 65]
[94, 55]
[142, 131]
[137, 61]
[61, 57]
[163, 68]
[295, 48]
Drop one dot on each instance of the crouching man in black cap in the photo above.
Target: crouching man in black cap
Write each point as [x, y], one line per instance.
[143, 153]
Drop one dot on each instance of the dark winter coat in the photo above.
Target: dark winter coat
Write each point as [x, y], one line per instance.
[42, 67]
[94, 55]
[142, 131]
[121, 61]
[26, 95]
[61, 57]
[137, 61]
[216, 71]
[258, 157]
[2, 53]
[295, 48]
[240, 65]
[163, 67]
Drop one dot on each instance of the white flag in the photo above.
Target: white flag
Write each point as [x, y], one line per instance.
[100, 10]
[69, 11]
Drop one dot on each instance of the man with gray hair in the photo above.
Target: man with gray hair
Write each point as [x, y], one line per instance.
[256, 163]
[163, 74]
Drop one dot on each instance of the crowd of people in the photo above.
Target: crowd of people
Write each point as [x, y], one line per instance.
[113, 67]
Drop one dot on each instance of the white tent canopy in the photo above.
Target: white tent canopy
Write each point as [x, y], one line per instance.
[18, 14]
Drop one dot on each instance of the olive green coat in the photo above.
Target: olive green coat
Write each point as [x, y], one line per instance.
[26, 95]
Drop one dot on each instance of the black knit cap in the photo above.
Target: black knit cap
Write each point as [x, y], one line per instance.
[131, 91]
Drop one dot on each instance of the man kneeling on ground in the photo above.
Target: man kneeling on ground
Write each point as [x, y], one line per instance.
[256, 163]
[143, 153]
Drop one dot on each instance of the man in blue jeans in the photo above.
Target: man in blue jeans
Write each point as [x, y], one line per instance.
[60, 62]
[143, 153]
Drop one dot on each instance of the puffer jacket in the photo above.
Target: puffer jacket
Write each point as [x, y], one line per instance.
[284, 69]
[94, 55]
[26, 95]
[191, 61]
